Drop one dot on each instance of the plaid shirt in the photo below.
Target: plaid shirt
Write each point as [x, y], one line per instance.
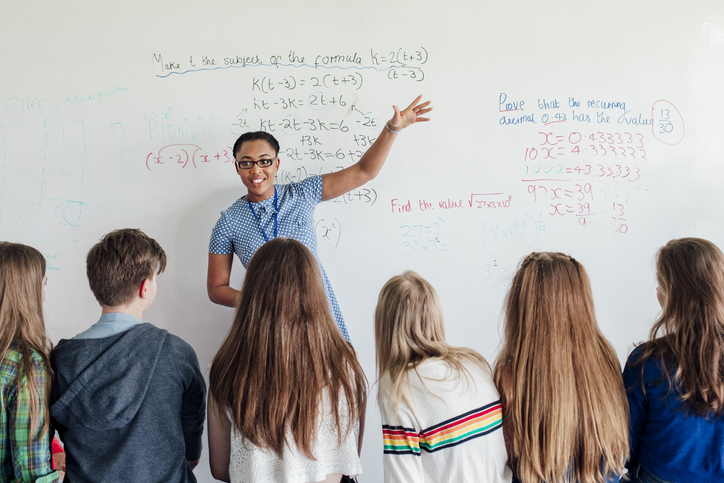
[24, 455]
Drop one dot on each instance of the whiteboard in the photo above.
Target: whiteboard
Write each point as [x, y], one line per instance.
[588, 128]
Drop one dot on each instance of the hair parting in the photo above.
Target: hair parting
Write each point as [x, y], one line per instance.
[256, 136]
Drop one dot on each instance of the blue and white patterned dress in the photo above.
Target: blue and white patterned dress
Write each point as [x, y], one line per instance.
[238, 231]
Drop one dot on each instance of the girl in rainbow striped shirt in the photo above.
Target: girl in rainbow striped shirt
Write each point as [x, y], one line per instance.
[441, 413]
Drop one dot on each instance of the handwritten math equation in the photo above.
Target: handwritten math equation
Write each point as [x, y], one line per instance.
[589, 177]
[662, 119]
[190, 156]
[398, 62]
[293, 124]
[434, 235]
[316, 101]
[556, 146]
[313, 104]
[474, 201]
[501, 236]
[329, 231]
[576, 199]
[426, 237]
[183, 155]
[585, 161]
[268, 84]
[164, 126]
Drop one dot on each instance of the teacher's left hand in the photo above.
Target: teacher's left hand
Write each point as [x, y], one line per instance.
[410, 115]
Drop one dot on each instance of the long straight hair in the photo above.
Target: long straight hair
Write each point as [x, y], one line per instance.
[410, 329]
[282, 351]
[22, 327]
[559, 378]
[688, 337]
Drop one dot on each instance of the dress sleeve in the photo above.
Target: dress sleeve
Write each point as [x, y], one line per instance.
[222, 241]
[401, 458]
[637, 405]
[193, 402]
[30, 449]
[311, 189]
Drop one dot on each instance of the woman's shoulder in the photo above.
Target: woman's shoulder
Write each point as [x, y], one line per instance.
[235, 211]
[481, 377]
[309, 188]
[650, 352]
[38, 361]
[636, 353]
[12, 360]
[447, 376]
[429, 369]
[15, 354]
[646, 361]
[384, 385]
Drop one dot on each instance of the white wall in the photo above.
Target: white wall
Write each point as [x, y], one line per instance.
[86, 108]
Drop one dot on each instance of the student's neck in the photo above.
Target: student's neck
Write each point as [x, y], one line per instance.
[130, 309]
[257, 199]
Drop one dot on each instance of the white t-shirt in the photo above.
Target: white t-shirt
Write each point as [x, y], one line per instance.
[450, 430]
[251, 463]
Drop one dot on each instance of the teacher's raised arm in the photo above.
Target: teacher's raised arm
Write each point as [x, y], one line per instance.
[367, 168]
[271, 210]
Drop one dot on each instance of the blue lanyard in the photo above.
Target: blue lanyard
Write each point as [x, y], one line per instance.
[259, 221]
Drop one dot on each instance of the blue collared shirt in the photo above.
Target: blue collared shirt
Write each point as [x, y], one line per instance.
[238, 231]
[110, 324]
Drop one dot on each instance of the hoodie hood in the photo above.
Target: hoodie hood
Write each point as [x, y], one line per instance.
[104, 381]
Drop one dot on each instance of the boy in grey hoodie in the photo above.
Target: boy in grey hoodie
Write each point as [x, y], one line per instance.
[129, 398]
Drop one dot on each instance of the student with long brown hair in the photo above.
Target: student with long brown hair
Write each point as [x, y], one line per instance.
[286, 392]
[441, 414]
[564, 403]
[25, 373]
[675, 381]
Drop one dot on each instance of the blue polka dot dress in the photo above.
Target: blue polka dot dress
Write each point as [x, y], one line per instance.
[237, 231]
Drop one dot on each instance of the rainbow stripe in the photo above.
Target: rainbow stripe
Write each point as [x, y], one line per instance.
[473, 424]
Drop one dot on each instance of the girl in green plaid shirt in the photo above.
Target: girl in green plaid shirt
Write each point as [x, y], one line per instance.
[24, 367]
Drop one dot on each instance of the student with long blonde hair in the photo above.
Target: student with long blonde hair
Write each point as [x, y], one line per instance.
[441, 414]
[25, 373]
[675, 381]
[564, 403]
[286, 392]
